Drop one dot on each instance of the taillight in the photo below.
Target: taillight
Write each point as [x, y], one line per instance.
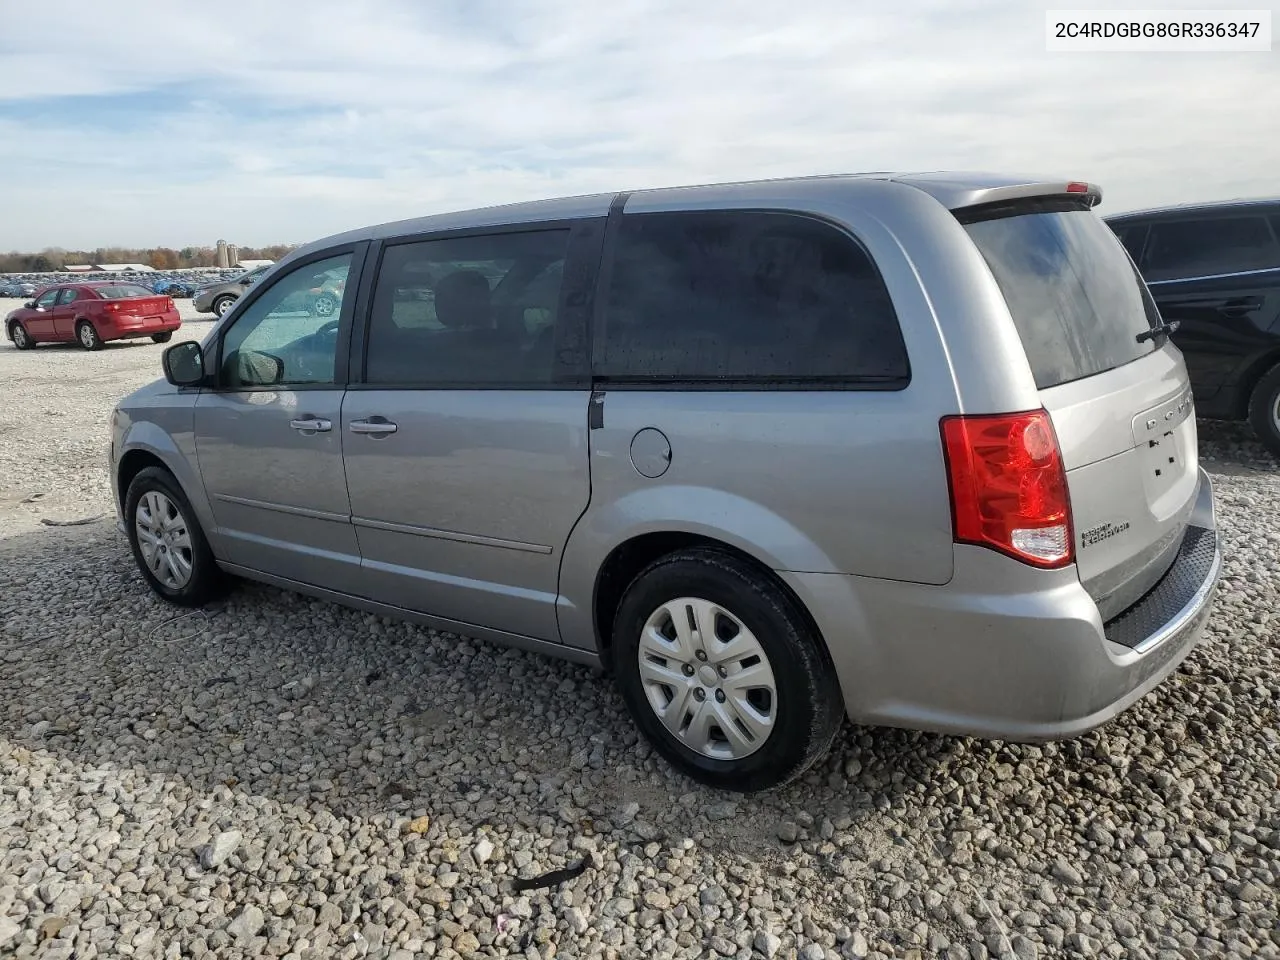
[1009, 486]
[113, 307]
[169, 304]
[1076, 186]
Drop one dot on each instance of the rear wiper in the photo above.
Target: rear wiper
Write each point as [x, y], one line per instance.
[1163, 330]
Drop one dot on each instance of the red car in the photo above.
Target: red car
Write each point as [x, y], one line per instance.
[91, 314]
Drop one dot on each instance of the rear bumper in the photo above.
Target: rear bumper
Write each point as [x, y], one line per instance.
[1005, 651]
[140, 327]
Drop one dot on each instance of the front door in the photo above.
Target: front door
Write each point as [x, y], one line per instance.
[39, 322]
[466, 446]
[268, 438]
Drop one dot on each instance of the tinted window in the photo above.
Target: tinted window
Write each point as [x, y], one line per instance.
[67, 295]
[1132, 237]
[123, 291]
[47, 298]
[289, 335]
[1204, 247]
[1075, 298]
[467, 310]
[747, 297]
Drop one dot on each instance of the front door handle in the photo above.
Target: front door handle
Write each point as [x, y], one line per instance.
[312, 425]
[376, 426]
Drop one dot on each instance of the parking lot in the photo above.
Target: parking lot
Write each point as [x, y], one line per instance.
[284, 777]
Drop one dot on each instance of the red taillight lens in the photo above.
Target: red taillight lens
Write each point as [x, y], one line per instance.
[1076, 187]
[169, 304]
[1009, 486]
[113, 307]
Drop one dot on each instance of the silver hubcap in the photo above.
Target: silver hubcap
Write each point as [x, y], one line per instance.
[20, 336]
[86, 335]
[707, 678]
[221, 307]
[163, 539]
[1275, 412]
[324, 306]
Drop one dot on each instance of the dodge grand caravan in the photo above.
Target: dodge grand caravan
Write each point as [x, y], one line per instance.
[912, 448]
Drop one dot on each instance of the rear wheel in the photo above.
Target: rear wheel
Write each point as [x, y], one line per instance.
[162, 337]
[723, 673]
[87, 335]
[168, 545]
[1264, 410]
[21, 339]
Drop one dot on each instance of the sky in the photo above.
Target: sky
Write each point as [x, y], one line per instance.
[145, 122]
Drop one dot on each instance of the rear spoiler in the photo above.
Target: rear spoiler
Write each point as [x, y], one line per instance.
[958, 192]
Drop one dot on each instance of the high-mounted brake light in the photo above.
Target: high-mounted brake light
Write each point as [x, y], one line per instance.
[1077, 187]
[1009, 486]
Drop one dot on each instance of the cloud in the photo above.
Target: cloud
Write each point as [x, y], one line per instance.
[160, 124]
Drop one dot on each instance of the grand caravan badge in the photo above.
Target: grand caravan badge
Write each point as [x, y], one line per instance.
[1104, 531]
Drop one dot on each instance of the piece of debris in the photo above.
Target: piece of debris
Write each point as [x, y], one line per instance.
[419, 825]
[552, 879]
[50, 522]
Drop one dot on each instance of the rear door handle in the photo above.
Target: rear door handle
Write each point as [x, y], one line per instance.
[312, 425]
[1239, 306]
[376, 426]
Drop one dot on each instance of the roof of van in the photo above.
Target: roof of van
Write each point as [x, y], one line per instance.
[1207, 206]
[952, 189]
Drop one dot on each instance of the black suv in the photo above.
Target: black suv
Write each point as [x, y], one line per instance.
[1215, 269]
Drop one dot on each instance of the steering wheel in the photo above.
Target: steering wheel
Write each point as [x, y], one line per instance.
[329, 328]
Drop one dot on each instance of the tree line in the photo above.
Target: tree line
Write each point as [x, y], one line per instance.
[162, 258]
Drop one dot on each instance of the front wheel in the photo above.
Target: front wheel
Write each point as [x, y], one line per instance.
[87, 335]
[325, 305]
[21, 339]
[162, 337]
[723, 673]
[168, 545]
[222, 305]
[1264, 410]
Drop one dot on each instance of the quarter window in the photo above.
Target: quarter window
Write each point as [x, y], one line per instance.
[747, 298]
[289, 335]
[468, 310]
[1180, 249]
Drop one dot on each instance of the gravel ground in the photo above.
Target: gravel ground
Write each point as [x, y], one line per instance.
[279, 777]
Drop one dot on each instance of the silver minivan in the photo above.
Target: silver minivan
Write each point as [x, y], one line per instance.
[915, 449]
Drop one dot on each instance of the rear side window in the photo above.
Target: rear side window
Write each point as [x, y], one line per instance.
[1180, 249]
[468, 310]
[750, 298]
[1132, 238]
[1076, 299]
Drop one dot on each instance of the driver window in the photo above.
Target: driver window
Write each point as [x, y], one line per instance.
[289, 335]
[46, 299]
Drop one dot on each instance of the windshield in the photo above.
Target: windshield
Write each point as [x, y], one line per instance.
[124, 291]
[1076, 298]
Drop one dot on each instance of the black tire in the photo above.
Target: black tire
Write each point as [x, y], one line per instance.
[162, 337]
[207, 582]
[222, 304]
[808, 709]
[1264, 410]
[87, 336]
[21, 339]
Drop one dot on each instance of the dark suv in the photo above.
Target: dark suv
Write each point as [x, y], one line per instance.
[1215, 269]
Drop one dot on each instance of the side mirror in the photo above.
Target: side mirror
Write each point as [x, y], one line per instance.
[249, 368]
[184, 364]
[30, 305]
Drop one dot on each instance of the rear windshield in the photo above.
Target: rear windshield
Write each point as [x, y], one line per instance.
[124, 291]
[1075, 296]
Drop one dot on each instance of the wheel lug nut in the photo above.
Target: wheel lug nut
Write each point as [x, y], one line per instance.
[719, 696]
[702, 654]
[722, 671]
[688, 669]
[699, 694]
